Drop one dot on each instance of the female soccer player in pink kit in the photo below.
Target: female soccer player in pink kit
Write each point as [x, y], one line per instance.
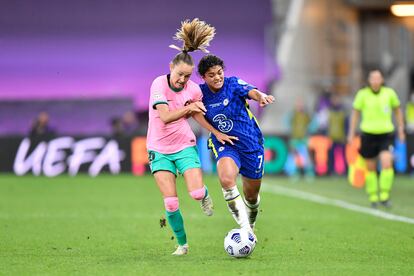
[171, 143]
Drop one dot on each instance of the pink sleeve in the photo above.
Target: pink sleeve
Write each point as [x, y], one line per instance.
[157, 95]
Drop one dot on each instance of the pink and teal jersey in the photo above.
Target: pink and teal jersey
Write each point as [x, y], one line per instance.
[177, 135]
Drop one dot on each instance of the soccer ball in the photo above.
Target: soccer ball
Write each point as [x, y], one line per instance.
[239, 243]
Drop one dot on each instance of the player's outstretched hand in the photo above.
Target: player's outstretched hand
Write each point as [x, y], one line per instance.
[197, 107]
[265, 100]
[223, 138]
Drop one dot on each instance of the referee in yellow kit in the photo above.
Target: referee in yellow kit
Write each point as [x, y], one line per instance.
[376, 103]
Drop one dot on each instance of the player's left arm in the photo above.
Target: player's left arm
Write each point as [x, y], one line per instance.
[400, 123]
[399, 117]
[260, 97]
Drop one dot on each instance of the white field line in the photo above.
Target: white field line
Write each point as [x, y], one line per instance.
[195, 214]
[275, 189]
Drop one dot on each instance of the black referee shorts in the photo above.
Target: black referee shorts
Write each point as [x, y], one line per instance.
[373, 144]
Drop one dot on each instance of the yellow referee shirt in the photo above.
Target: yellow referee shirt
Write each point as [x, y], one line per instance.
[376, 109]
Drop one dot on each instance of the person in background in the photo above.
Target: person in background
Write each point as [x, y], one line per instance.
[299, 160]
[117, 129]
[130, 123]
[337, 121]
[320, 120]
[41, 129]
[375, 105]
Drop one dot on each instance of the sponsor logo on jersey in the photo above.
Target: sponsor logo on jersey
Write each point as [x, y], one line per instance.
[214, 105]
[223, 124]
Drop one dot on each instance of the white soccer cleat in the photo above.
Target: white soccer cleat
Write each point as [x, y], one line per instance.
[251, 230]
[181, 250]
[207, 205]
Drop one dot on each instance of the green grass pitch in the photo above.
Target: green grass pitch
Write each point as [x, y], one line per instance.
[110, 225]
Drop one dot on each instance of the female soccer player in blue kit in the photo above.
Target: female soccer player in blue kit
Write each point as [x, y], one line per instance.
[228, 111]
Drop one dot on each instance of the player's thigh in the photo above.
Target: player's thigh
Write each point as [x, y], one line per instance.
[387, 149]
[161, 162]
[228, 163]
[166, 183]
[187, 159]
[370, 146]
[193, 179]
[164, 172]
[252, 164]
[386, 143]
[227, 171]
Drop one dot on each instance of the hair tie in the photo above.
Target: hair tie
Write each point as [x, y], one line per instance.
[172, 46]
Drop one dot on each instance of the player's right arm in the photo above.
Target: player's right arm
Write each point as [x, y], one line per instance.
[400, 123]
[168, 116]
[355, 115]
[399, 117]
[159, 102]
[357, 105]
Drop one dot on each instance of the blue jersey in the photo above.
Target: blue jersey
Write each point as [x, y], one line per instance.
[228, 112]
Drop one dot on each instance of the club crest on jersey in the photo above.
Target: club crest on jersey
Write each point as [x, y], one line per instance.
[226, 102]
[157, 96]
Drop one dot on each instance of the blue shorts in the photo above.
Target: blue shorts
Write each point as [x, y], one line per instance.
[251, 164]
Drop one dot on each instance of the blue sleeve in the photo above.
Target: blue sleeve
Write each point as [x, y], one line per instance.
[240, 87]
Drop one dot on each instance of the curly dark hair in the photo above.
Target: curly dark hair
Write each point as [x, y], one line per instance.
[207, 62]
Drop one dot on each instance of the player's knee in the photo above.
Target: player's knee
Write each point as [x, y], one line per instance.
[198, 194]
[227, 181]
[386, 162]
[171, 203]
